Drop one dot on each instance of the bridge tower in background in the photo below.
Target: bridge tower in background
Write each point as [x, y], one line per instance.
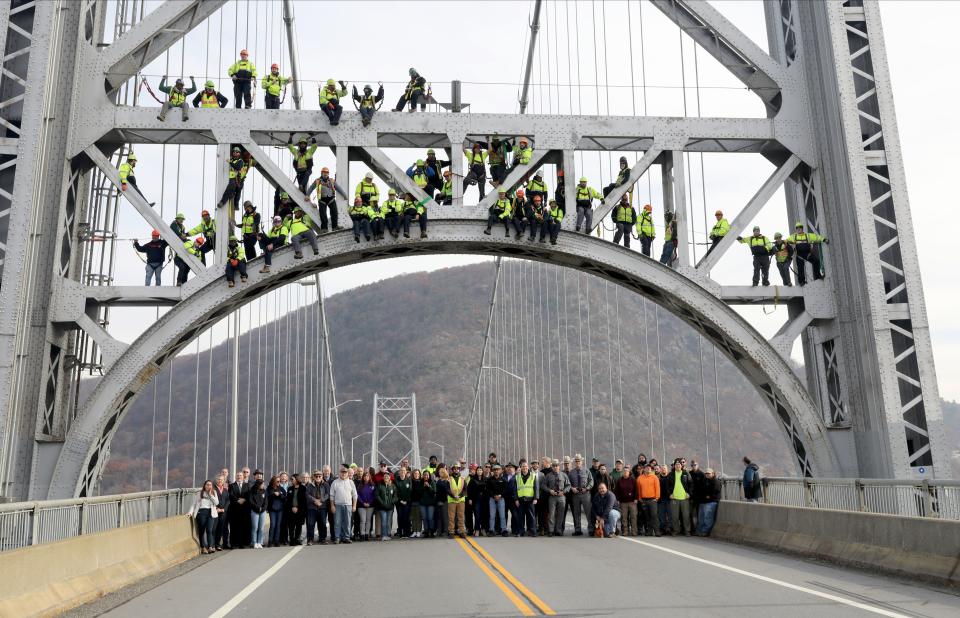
[395, 434]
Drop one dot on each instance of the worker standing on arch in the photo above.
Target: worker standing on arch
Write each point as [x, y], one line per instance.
[784, 254]
[413, 92]
[645, 229]
[234, 187]
[250, 228]
[273, 84]
[669, 253]
[476, 169]
[760, 248]
[209, 98]
[327, 189]
[720, 229]
[302, 159]
[584, 200]
[156, 251]
[244, 75]
[625, 218]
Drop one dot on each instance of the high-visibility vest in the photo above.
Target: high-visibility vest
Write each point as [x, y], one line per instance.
[556, 213]
[720, 229]
[477, 158]
[456, 482]
[233, 166]
[325, 185]
[525, 488]
[235, 253]
[209, 99]
[243, 67]
[522, 155]
[368, 102]
[125, 170]
[248, 223]
[302, 160]
[624, 214]
[585, 194]
[177, 97]
[298, 226]
[783, 251]
[395, 206]
[273, 84]
[420, 178]
[365, 189]
[192, 248]
[277, 231]
[645, 225]
[447, 188]
[504, 208]
[536, 187]
[759, 245]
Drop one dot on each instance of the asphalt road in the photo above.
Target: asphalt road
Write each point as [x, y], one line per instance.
[542, 576]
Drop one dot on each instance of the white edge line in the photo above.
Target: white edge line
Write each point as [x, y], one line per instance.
[770, 580]
[243, 594]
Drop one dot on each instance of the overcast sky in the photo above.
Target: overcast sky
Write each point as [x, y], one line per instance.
[483, 43]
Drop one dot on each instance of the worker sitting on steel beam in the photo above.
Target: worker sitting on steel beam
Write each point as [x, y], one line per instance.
[327, 189]
[195, 248]
[502, 211]
[300, 230]
[553, 217]
[360, 215]
[378, 214]
[497, 155]
[209, 97]
[302, 159]
[234, 187]
[535, 218]
[273, 84]
[244, 75]
[128, 177]
[760, 248]
[803, 243]
[622, 176]
[784, 254]
[208, 229]
[476, 168]
[330, 100]
[720, 229]
[236, 262]
[176, 97]
[625, 218]
[413, 93]
[367, 104]
[522, 154]
[445, 197]
[522, 213]
[156, 251]
[645, 229]
[414, 211]
[584, 200]
[271, 241]
[393, 211]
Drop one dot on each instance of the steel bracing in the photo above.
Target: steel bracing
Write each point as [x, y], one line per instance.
[870, 405]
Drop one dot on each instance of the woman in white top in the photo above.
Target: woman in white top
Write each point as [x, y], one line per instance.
[204, 512]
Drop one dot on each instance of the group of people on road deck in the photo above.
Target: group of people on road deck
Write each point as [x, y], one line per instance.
[526, 499]
[528, 210]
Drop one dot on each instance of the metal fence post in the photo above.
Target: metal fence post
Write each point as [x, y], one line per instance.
[861, 499]
[149, 506]
[808, 493]
[35, 525]
[120, 513]
[82, 525]
[927, 499]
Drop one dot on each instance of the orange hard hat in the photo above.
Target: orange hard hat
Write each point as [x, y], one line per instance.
[205, 213]
[155, 234]
[244, 52]
[200, 240]
[648, 207]
[559, 173]
[324, 169]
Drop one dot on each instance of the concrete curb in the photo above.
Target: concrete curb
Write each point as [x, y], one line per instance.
[47, 579]
[918, 548]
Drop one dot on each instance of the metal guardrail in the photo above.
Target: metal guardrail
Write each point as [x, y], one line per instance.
[922, 498]
[30, 523]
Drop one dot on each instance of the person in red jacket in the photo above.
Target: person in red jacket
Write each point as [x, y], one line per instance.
[626, 493]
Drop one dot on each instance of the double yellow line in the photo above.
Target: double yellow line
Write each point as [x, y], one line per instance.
[485, 561]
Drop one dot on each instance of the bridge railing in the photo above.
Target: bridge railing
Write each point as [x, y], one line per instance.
[921, 498]
[30, 523]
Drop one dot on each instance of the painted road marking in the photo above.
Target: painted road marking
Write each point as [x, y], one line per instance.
[543, 607]
[243, 594]
[777, 582]
[525, 609]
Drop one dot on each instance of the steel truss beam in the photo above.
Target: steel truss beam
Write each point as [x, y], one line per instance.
[82, 455]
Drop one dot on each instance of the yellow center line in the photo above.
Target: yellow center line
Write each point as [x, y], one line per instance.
[525, 609]
[543, 607]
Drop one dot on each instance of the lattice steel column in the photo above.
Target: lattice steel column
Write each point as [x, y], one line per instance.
[395, 435]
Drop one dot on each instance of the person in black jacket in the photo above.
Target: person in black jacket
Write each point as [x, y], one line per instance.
[510, 495]
[296, 507]
[239, 512]
[276, 498]
[257, 499]
[605, 510]
[156, 251]
[663, 504]
[495, 489]
[222, 531]
[475, 498]
[709, 495]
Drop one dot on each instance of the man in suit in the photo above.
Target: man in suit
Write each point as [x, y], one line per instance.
[239, 514]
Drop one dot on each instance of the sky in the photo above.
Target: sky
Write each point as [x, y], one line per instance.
[632, 61]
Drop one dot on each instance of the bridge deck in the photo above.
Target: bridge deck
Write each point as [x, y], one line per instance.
[617, 577]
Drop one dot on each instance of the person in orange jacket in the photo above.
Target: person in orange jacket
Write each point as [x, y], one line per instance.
[648, 493]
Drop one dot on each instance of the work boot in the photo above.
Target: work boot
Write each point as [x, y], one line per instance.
[552, 242]
[487, 231]
[406, 234]
[316, 253]
[507, 235]
[230, 284]
[367, 237]
[265, 269]
[423, 234]
[243, 279]
[519, 235]
[356, 238]
[298, 255]
[336, 227]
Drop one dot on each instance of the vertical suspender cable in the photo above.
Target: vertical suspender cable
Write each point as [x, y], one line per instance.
[483, 351]
[703, 395]
[663, 440]
[616, 296]
[613, 436]
[549, 343]
[583, 400]
[566, 356]
[206, 460]
[556, 296]
[716, 381]
[646, 339]
[196, 413]
[593, 433]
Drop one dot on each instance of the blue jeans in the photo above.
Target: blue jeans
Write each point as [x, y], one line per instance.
[386, 522]
[610, 525]
[343, 516]
[497, 509]
[663, 514]
[707, 517]
[153, 270]
[257, 520]
[667, 255]
[205, 528]
[276, 524]
[426, 516]
[316, 518]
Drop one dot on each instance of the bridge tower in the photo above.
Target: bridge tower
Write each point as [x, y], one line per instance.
[825, 84]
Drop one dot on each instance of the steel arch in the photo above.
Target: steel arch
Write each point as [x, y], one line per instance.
[87, 443]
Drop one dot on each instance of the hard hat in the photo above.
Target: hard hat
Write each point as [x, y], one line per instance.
[502, 190]
[392, 192]
[235, 149]
[284, 195]
[250, 204]
[330, 82]
[131, 156]
[244, 52]
[431, 151]
[200, 240]
[519, 192]
[277, 219]
[180, 215]
[155, 234]
[412, 71]
[623, 159]
[583, 179]
[648, 207]
[756, 228]
[233, 240]
[302, 140]
[420, 163]
[368, 175]
[209, 84]
[179, 81]
[523, 140]
[778, 235]
[274, 66]
[539, 174]
[367, 88]
[559, 173]
[719, 213]
[324, 170]
[205, 213]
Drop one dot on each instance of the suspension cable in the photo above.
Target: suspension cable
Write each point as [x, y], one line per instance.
[613, 437]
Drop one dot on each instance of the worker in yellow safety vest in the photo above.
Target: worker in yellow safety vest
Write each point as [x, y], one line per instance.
[502, 211]
[302, 159]
[127, 177]
[583, 198]
[272, 84]
[624, 217]
[330, 100]
[250, 228]
[244, 75]
[720, 229]
[804, 244]
[527, 492]
[645, 229]
[176, 97]
[457, 495]
[209, 97]
[760, 248]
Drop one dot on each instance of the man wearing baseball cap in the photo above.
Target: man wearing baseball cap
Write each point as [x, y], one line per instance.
[455, 503]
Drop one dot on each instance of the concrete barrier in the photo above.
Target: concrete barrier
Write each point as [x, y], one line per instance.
[922, 548]
[46, 579]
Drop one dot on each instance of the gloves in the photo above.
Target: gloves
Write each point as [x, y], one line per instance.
[739, 238]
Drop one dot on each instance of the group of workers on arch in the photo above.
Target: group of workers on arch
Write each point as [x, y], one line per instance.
[527, 211]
